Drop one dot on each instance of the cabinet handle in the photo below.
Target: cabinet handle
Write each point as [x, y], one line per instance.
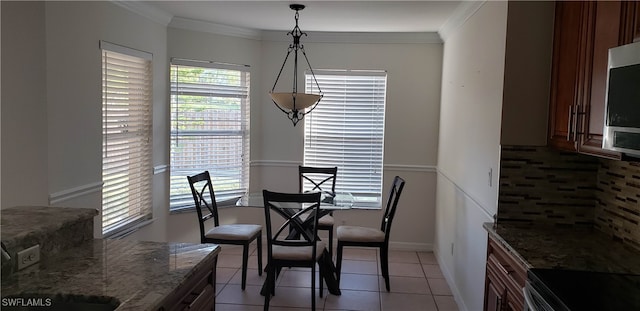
[575, 122]
[503, 269]
[570, 124]
[499, 303]
[581, 113]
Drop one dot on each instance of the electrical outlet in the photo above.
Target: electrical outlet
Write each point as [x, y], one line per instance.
[451, 249]
[28, 256]
[490, 177]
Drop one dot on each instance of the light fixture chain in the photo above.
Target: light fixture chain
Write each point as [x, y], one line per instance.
[290, 101]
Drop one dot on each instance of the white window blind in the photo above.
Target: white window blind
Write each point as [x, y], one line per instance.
[346, 130]
[127, 131]
[209, 129]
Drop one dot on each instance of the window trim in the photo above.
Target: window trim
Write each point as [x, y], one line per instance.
[373, 200]
[188, 205]
[144, 126]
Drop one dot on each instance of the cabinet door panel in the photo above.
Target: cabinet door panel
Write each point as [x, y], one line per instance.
[636, 22]
[494, 293]
[606, 34]
[566, 45]
[630, 31]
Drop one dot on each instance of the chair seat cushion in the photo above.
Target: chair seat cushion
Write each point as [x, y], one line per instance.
[236, 232]
[297, 252]
[359, 234]
[326, 221]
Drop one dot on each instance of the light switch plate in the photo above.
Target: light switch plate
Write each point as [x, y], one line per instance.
[28, 256]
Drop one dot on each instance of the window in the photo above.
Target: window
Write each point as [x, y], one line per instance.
[346, 130]
[209, 129]
[126, 138]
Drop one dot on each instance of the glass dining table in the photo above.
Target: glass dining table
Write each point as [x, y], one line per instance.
[341, 201]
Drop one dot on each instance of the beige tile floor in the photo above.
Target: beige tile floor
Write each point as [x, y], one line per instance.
[417, 283]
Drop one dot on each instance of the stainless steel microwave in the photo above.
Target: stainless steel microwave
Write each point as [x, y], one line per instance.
[622, 106]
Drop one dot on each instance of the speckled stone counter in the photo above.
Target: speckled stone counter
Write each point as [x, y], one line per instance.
[53, 228]
[583, 249]
[23, 222]
[138, 274]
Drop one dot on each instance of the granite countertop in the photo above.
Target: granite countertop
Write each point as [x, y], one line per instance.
[138, 274]
[22, 222]
[585, 249]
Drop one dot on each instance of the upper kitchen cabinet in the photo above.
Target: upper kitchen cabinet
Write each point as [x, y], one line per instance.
[583, 34]
[568, 35]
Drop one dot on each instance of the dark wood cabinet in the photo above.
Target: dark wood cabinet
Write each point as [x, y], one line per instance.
[565, 84]
[198, 292]
[505, 279]
[495, 292]
[583, 33]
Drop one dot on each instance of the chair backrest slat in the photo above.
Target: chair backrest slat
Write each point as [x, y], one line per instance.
[323, 179]
[306, 227]
[392, 203]
[201, 187]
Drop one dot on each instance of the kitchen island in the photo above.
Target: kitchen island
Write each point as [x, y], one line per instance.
[129, 275]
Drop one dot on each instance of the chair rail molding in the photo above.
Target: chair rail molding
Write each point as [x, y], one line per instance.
[159, 169]
[468, 195]
[65, 195]
[411, 168]
[276, 163]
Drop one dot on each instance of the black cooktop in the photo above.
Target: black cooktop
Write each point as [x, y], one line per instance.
[585, 290]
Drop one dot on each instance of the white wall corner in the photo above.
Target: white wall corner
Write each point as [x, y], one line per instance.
[448, 275]
[463, 12]
[145, 10]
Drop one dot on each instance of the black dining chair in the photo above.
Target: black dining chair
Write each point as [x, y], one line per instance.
[322, 179]
[370, 237]
[233, 234]
[300, 211]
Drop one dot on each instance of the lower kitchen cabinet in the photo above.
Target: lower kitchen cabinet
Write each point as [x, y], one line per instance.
[505, 279]
[198, 292]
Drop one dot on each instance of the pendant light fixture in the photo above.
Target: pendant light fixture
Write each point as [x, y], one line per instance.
[295, 105]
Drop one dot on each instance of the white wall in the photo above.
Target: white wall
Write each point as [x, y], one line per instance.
[66, 100]
[413, 97]
[470, 118]
[70, 103]
[24, 112]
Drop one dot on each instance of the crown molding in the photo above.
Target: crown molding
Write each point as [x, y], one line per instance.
[463, 12]
[358, 37]
[150, 12]
[167, 19]
[196, 25]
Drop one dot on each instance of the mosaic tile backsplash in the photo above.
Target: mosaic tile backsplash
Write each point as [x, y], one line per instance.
[569, 189]
[618, 201]
[545, 186]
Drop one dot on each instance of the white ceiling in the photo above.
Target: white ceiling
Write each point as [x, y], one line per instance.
[329, 16]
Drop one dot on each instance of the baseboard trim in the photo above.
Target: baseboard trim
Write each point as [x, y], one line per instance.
[410, 246]
[450, 281]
